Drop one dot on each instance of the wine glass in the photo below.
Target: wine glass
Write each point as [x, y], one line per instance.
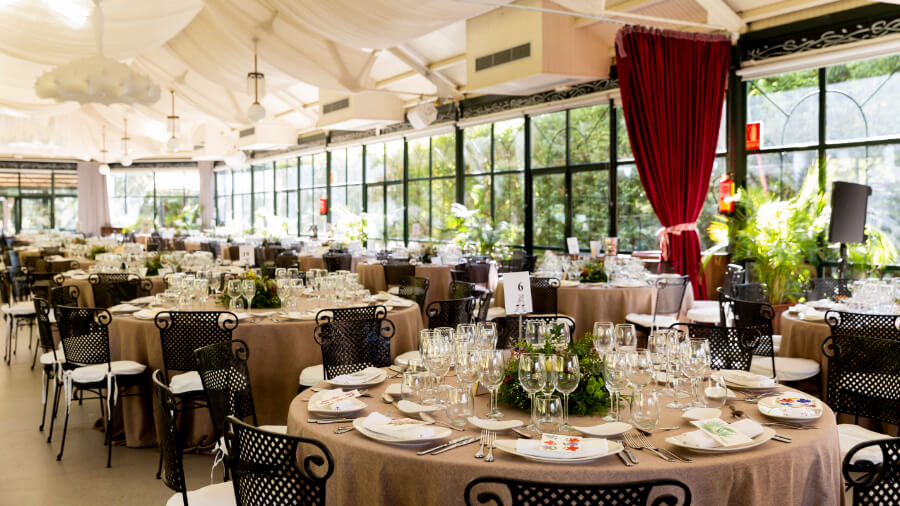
[674, 337]
[566, 373]
[626, 336]
[615, 376]
[604, 335]
[695, 362]
[493, 372]
[532, 376]
[215, 282]
[468, 365]
[465, 333]
[234, 294]
[534, 333]
[437, 354]
[640, 368]
[486, 335]
[283, 289]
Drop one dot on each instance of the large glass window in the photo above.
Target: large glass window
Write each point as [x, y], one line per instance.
[286, 196]
[131, 198]
[431, 186]
[167, 197]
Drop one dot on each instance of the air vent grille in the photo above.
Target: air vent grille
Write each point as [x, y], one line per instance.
[501, 57]
[247, 132]
[336, 106]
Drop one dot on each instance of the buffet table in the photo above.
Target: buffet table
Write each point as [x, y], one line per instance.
[805, 472]
[278, 352]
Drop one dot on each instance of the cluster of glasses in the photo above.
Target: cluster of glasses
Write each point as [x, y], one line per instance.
[624, 268]
[336, 289]
[136, 263]
[240, 293]
[560, 267]
[538, 332]
[107, 262]
[875, 296]
[540, 375]
[186, 292]
[198, 261]
[626, 365]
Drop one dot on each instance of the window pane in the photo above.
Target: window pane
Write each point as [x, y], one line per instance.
[418, 157]
[338, 196]
[394, 162]
[223, 210]
[478, 194]
[35, 214]
[419, 203]
[306, 171]
[291, 212]
[623, 146]
[354, 164]
[36, 182]
[711, 204]
[548, 140]
[477, 144]
[443, 155]
[286, 174]
[779, 173]
[307, 208]
[590, 210]
[375, 163]
[861, 99]
[443, 195]
[339, 166]
[375, 206]
[355, 198]
[395, 211]
[242, 181]
[589, 134]
[264, 204]
[722, 143]
[262, 178]
[509, 145]
[180, 212]
[549, 209]
[883, 163]
[320, 167]
[787, 105]
[242, 211]
[65, 182]
[509, 204]
[637, 223]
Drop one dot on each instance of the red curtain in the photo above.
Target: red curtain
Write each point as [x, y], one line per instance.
[673, 85]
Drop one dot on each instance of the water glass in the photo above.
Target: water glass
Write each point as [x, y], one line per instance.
[645, 410]
[460, 406]
[412, 386]
[493, 372]
[626, 336]
[548, 413]
[604, 337]
[615, 376]
[714, 391]
[532, 375]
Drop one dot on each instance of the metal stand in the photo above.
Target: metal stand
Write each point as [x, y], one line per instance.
[843, 264]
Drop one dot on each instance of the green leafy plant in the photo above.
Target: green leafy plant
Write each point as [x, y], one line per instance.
[872, 256]
[266, 296]
[97, 250]
[591, 396]
[475, 233]
[593, 272]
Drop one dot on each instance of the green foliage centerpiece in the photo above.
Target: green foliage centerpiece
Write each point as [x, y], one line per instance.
[266, 292]
[593, 272]
[153, 265]
[590, 398]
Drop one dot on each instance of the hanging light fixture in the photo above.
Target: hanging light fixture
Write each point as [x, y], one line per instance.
[256, 85]
[172, 121]
[126, 160]
[103, 168]
[97, 79]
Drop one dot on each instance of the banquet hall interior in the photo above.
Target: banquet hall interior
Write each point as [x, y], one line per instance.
[461, 252]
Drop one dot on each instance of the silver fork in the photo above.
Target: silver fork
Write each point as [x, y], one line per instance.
[633, 442]
[647, 444]
[490, 456]
[480, 453]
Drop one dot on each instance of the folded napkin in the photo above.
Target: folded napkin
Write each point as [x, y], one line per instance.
[382, 296]
[484, 423]
[334, 400]
[747, 379]
[812, 315]
[123, 308]
[394, 290]
[393, 389]
[414, 407]
[743, 431]
[822, 304]
[357, 378]
[147, 314]
[569, 282]
[401, 428]
[143, 300]
[555, 446]
[799, 308]
[402, 302]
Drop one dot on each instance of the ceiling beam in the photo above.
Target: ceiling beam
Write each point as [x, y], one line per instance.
[445, 87]
[437, 66]
[626, 6]
[720, 13]
[781, 8]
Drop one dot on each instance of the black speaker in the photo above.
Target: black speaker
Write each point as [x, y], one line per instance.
[848, 212]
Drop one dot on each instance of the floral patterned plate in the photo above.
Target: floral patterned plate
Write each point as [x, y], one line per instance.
[791, 406]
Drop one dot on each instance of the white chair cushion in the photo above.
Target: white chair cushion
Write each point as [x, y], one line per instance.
[788, 368]
[186, 382]
[47, 358]
[220, 494]
[278, 429]
[776, 343]
[646, 320]
[705, 304]
[495, 312]
[25, 308]
[97, 372]
[851, 435]
[704, 315]
[312, 375]
[404, 358]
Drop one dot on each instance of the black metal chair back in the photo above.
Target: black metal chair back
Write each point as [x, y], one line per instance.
[64, 296]
[872, 483]
[84, 332]
[337, 261]
[461, 289]
[396, 272]
[352, 345]
[45, 330]
[754, 315]
[15, 280]
[450, 313]
[729, 347]
[754, 292]
[287, 260]
[483, 304]
[168, 437]
[493, 490]
[670, 294]
[543, 295]
[350, 313]
[881, 326]
[226, 381]
[415, 289]
[832, 288]
[508, 329]
[269, 468]
[182, 332]
[111, 289]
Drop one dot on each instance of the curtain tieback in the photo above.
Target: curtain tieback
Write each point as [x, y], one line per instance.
[663, 234]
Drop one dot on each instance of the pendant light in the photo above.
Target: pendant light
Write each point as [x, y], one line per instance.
[103, 168]
[126, 160]
[256, 85]
[172, 122]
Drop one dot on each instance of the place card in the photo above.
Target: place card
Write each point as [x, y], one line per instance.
[517, 293]
[595, 249]
[572, 245]
[246, 254]
[721, 432]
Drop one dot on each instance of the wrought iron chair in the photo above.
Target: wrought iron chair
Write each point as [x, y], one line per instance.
[352, 345]
[226, 381]
[710, 311]
[169, 438]
[51, 356]
[17, 309]
[508, 329]
[863, 324]
[832, 288]
[271, 468]
[669, 298]
[450, 313]
[395, 272]
[111, 289]
[493, 490]
[461, 289]
[337, 261]
[64, 296]
[182, 332]
[415, 289]
[84, 333]
[543, 295]
[729, 347]
[872, 472]
[482, 304]
[753, 292]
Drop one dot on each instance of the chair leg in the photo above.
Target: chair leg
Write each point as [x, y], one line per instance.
[62, 446]
[109, 435]
[159, 469]
[34, 357]
[46, 395]
[55, 410]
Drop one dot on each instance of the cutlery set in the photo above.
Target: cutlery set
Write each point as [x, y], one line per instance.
[639, 441]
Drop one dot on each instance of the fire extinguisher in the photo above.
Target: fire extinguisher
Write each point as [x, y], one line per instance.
[323, 204]
[726, 195]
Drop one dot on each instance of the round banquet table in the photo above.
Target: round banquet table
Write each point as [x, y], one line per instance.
[805, 472]
[278, 352]
[308, 262]
[371, 276]
[589, 303]
[86, 291]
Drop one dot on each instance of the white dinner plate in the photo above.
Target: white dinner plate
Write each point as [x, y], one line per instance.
[439, 433]
[414, 408]
[733, 379]
[774, 406]
[610, 429]
[701, 413]
[378, 379]
[509, 446]
[766, 435]
[358, 406]
[495, 425]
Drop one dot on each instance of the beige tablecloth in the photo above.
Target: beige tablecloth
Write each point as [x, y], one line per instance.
[308, 262]
[86, 291]
[278, 352]
[371, 276]
[439, 282]
[805, 472]
[598, 303]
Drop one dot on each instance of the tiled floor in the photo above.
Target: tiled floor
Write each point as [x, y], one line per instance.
[30, 473]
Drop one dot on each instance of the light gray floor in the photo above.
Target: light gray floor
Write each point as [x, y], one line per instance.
[30, 473]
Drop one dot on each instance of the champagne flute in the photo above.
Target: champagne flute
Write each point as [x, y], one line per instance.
[566, 373]
[532, 376]
[493, 372]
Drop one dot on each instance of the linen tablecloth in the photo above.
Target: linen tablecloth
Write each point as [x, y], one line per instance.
[86, 290]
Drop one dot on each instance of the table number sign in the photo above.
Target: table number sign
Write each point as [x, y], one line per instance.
[517, 290]
[595, 249]
[572, 245]
[246, 254]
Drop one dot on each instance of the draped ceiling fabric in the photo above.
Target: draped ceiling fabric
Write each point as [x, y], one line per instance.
[673, 85]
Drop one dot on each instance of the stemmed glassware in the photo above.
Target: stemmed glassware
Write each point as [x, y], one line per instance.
[215, 282]
[465, 333]
[566, 373]
[233, 288]
[534, 333]
[640, 368]
[437, 355]
[486, 335]
[615, 375]
[604, 338]
[493, 371]
[532, 376]
[656, 344]
[695, 362]
[468, 365]
[248, 290]
[283, 289]
[626, 336]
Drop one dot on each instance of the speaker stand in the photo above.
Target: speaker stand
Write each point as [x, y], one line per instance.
[843, 265]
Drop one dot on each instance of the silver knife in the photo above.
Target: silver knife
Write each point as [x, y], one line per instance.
[330, 420]
[457, 445]
[625, 460]
[630, 454]
[448, 443]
